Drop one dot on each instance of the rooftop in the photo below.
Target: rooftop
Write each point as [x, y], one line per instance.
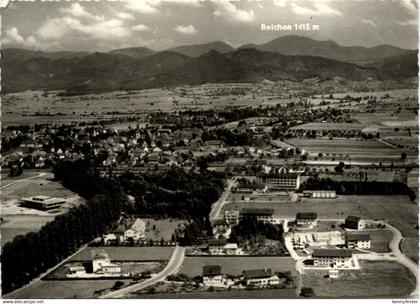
[257, 273]
[352, 218]
[216, 242]
[306, 215]
[332, 253]
[212, 270]
[358, 236]
[99, 254]
[259, 211]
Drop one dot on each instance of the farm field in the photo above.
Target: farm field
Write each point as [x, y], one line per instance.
[193, 266]
[329, 126]
[351, 147]
[26, 107]
[123, 253]
[396, 209]
[376, 279]
[234, 294]
[62, 289]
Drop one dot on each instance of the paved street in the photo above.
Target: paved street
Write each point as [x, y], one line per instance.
[172, 267]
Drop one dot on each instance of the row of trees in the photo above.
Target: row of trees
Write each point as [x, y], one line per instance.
[29, 255]
[358, 187]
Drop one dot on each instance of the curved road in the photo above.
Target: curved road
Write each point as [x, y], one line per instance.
[172, 267]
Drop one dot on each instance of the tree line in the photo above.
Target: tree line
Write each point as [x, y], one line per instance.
[358, 187]
[27, 256]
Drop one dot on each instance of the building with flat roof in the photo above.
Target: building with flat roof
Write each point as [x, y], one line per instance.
[42, 202]
[281, 181]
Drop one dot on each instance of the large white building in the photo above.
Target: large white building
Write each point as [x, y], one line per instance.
[101, 263]
[332, 258]
[282, 181]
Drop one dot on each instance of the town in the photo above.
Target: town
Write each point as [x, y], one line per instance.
[291, 198]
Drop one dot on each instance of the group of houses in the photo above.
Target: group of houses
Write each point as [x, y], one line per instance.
[259, 278]
[101, 266]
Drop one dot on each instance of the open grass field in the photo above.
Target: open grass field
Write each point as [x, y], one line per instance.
[62, 289]
[396, 209]
[163, 229]
[193, 266]
[234, 294]
[344, 146]
[376, 279]
[22, 108]
[128, 253]
[19, 220]
[380, 239]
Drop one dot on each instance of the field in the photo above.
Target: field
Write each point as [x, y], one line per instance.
[32, 107]
[19, 220]
[376, 279]
[128, 253]
[62, 289]
[350, 147]
[193, 266]
[164, 229]
[235, 294]
[396, 209]
[380, 240]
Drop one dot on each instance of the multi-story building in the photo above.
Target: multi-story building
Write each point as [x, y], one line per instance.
[282, 181]
[358, 240]
[354, 222]
[265, 215]
[333, 258]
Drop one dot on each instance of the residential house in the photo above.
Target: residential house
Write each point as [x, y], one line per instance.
[216, 246]
[358, 240]
[221, 229]
[101, 263]
[260, 277]
[232, 216]
[354, 222]
[306, 218]
[212, 276]
[136, 232]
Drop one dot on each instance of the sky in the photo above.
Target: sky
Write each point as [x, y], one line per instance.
[162, 24]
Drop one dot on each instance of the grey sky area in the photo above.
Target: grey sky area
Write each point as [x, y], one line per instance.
[161, 24]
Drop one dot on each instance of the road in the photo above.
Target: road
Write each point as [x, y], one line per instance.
[217, 206]
[172, 267]
[23, 179]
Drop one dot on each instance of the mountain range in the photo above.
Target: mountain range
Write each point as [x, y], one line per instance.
[290, 57]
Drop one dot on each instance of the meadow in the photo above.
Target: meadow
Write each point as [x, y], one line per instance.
[193, 266]
[122, 253]
[376, 279]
